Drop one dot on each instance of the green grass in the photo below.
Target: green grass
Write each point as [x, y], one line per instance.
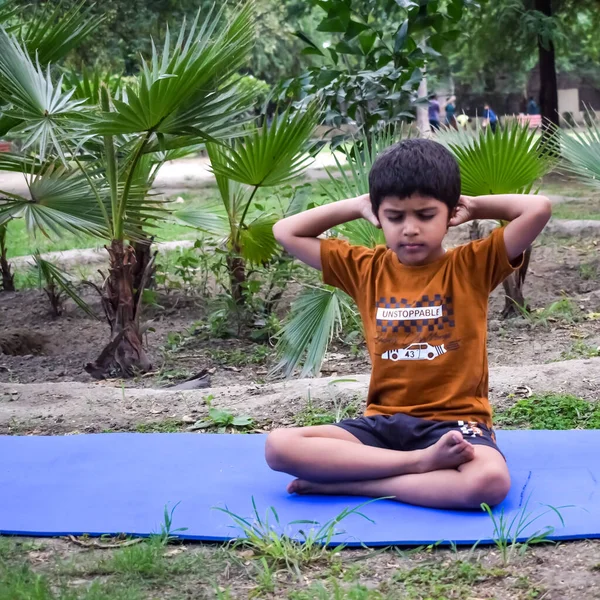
[577, 210]
[440, 580]
[256, 355]
[167, 426]
[588, 271]
[311, 414]
[550, 411]
[580, 349]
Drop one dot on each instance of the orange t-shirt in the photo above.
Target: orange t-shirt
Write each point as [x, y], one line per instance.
[425, 326]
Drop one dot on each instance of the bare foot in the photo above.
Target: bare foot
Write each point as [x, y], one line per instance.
[450, 451]
[302, 486]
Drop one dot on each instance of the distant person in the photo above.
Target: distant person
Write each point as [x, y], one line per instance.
[532, 107]
[489, 118]
[434, 112]
[450, 113]
[462, 120]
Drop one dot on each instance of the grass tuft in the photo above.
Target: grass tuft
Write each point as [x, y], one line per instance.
[550, 411]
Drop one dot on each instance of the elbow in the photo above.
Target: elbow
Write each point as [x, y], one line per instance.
[278, 231]
[545, 208]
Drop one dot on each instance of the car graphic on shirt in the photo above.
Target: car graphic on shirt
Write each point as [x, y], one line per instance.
[415, 352]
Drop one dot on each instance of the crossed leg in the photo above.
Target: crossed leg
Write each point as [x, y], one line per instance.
[329, 460]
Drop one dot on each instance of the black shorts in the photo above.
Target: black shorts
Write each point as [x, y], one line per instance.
[404, 432]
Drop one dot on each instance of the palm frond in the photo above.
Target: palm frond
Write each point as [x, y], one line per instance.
[52, 32]
[355, 182]
[60, 199]
[581, 151]
[198, 64]
[314, 319]
[257, 243]
[86, 85]
[272, 155]
[508, 161]
[51, 274]
[206, 218]
[8, 11]
[44, 112]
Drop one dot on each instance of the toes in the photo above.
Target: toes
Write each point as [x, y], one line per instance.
[455, 437]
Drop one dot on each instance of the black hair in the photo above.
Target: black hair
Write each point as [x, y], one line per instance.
[415, 166]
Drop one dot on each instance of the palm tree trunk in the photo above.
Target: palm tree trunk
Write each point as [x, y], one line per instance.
[143, 256]
[8, 278]
[513, 286]
[237, 276]
[124, 355]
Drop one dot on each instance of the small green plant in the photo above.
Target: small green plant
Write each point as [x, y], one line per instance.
[148, 557]
[57, 286]
[447, 579]
[563, 310]
[588, 271]
[580, 349]
[167, 426]
[275, 543]
[167, 533]
[222, 419]
[550, 411]
[508, 533]
[314, 415]
[239, 358]
[185, 267]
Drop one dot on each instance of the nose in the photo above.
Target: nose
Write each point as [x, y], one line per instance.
[411, 228]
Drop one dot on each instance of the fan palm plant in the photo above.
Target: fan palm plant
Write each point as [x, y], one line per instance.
[581, 153]
[46, 34]
[510, 161]
[87, 162]
[266, 157]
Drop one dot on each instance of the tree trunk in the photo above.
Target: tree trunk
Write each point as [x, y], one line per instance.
[124, 355]
[423, 111]
[143, 256]
[8, 278]
[548, 84]
[237, 276]
[513, 286]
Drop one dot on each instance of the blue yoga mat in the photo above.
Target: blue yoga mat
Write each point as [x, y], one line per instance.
[121, 483]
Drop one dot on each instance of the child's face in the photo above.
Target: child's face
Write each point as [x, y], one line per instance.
[414, 227]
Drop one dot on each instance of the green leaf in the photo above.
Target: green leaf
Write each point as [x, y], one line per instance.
[242, 421]
[354, 28]
[52, 274]
[400, 38]
[188, 88]
[581, 151]
[257, 243]
[220, 417]
[510, 161]
[52, 31]
[44, 114]
[367, 40]
[315, 317]
[272, 155]
[335, 25]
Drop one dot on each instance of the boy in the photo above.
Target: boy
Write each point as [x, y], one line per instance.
[426, 437]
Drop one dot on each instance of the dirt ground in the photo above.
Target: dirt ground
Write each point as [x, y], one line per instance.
[49, 393]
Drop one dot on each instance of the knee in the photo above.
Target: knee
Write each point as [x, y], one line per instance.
[277, 448]
[489, 487]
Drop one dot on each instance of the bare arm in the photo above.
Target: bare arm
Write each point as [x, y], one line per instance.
[527, 213]
[299, 233]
